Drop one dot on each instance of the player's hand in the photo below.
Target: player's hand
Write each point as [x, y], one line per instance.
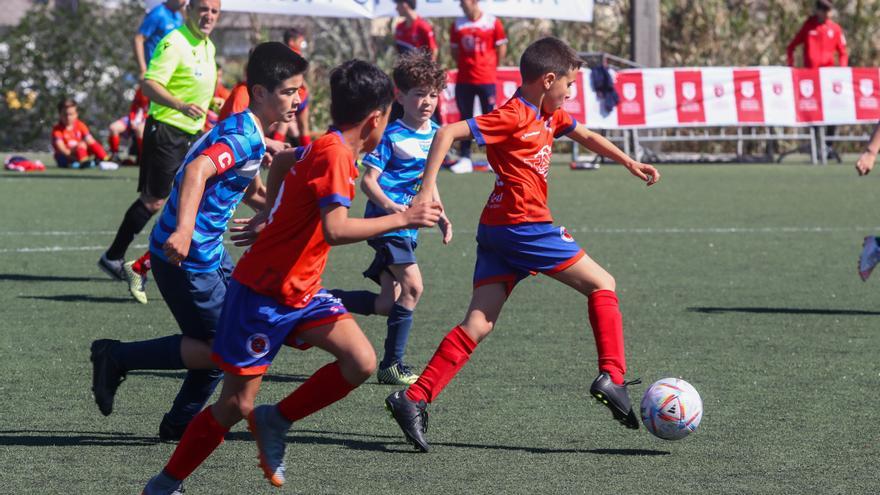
[422, 215]
[865, 163]
[396, 207]
[246, 230]
[645, 172]
[424, 196]
[176, 247]
[273, 146]
[445, 226]
[192, 110]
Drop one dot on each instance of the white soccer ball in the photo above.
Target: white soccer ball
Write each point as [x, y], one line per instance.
[671, 409]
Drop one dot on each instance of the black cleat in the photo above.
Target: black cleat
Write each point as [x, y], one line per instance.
[412, 417]
[170, 432]
[106, 375]
[616, 398]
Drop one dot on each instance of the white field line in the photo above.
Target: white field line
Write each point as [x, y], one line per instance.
[580, 230]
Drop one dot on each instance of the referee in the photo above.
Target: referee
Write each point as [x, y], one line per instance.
[179, 82]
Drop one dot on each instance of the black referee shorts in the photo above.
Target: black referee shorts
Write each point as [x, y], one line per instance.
[165, 147]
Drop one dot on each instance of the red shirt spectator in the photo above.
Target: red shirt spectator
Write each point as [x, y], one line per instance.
[476, 43]
[413, 32]
[821, 38]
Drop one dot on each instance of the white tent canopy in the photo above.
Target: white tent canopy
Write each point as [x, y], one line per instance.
[566, 10]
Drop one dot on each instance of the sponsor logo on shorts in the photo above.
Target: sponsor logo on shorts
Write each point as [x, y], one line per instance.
[258, 345]
[563, 233]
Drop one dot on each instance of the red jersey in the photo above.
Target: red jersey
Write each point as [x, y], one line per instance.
[820, 42]
[289, 256]
[419, 35]
[71, 137]
[137, 112]
[477, 42]
[519, 145]
[239, 99]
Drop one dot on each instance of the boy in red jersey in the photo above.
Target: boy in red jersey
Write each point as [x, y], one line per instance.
[71, 139]
[275, 295]
[516, 236]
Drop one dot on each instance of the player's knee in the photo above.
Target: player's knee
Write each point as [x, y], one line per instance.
[607, 282]
[477, 328]
[152, 204]
[360, 364]
[412, 290]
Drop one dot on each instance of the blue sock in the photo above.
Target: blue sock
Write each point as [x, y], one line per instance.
[157, 354]
[400, 322]
[194, 392]
[362, 302]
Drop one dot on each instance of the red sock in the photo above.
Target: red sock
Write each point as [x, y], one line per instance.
[98, 150]
[203, 435]
[453, 352]
[323, 388]
[607, 326]
[113, 141]
[81, 152]
[142, 265]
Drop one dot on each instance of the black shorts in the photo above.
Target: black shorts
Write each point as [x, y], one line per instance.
[164, 149]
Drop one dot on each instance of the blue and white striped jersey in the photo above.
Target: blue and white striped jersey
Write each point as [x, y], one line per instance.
[401, 157]
[236, 148]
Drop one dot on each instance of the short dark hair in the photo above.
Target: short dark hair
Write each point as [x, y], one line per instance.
[66, 103]
[356, 89]
[271, 63]
[548, 55]
[292, 34]
[415, 69]
[411, 3]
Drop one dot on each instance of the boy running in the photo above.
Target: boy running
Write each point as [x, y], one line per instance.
[275, 296]
[392, 178]
[516, 237]
[191, 266]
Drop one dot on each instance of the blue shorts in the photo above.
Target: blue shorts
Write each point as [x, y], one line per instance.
[391, 250]
[194, 298]
[510, 253]
[254, 327]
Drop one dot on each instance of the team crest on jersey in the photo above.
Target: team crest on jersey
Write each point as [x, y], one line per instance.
[258, 345]
[541, 161]
[563, 233]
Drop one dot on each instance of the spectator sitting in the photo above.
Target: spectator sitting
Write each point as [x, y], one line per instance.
[72, 141]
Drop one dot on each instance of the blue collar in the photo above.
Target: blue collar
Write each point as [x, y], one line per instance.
[336, 131]
[526, 102]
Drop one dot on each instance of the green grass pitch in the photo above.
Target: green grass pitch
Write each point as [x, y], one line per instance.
[740, 279]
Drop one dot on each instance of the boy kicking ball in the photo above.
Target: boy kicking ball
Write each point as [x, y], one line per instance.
[276, 296]
[516, 236]
[392, 178]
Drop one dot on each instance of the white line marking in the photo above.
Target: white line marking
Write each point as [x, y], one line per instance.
[580, 230]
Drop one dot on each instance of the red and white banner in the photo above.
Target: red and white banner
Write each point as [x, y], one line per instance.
[714, 96]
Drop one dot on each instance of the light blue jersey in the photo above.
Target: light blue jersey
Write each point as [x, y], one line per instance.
[401, 157]
[236, 148]
[156, 24]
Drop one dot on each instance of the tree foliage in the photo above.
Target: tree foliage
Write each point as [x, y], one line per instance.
[83, 53]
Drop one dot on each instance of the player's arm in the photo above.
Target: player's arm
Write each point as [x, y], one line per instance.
[255, 194]
[596, 143]
[192, 188]
[302, 121]
[799, 38]
[339, 228]
[139, 55]
[61, 146]
[370, 186]
[866, 162]
[440, 146]
[842, 55]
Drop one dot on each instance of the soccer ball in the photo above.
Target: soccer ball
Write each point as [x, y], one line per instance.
[671, 409]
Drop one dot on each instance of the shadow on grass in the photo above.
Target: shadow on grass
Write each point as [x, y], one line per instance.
[81, 298]
[386, 443]
[280, 378]
[783, 311]
[24, 277]
[47, 438]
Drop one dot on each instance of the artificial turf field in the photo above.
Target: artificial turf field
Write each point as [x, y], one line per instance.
[740, 279]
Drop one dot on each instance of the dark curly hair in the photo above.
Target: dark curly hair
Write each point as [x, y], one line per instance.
[415, 69]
